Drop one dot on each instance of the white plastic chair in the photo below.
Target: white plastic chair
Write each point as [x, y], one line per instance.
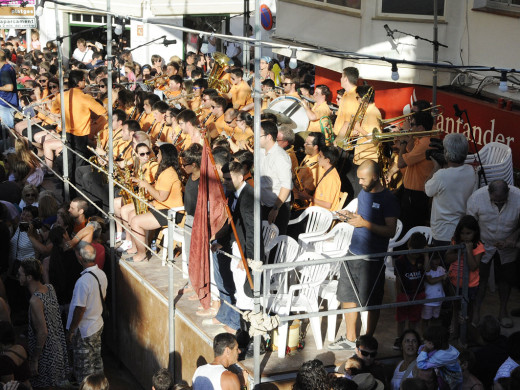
[318, 221]
[269, 233]
[287, 250]
[178, 235]
[312, 276]
[341, 236]
[497, 162]
[352, 206]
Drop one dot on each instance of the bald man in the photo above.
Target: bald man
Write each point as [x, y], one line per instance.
[374, 222]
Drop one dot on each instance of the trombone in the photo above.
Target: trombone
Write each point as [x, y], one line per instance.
[378, 136]
[398, 120]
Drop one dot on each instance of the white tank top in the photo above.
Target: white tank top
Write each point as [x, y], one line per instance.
[207, 377]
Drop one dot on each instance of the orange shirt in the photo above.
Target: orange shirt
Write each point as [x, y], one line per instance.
[103, 136]
[148, 171]
[240, 135]
[348, 106]
[78, 106]
[169, 181]
[328, 189]
[158, 132]
[418, 169]
[146, 121]
[240, 95]
[365, 149]
[221, 125]
[320, 110]
[195, 103]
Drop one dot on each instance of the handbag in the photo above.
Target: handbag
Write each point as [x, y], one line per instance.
[105, 313]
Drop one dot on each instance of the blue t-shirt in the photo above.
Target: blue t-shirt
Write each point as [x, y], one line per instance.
[8, 76]
[373, 207]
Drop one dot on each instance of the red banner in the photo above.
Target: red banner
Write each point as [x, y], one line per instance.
[490, 123]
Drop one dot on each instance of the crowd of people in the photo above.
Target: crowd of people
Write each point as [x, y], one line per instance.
[167, 115]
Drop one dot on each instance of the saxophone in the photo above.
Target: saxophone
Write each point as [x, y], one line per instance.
[140, 207]
[347, 142]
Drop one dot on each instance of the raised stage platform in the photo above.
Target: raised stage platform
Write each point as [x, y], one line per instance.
[142, 330]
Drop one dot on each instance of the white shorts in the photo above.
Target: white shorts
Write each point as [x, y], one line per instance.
[431, 311]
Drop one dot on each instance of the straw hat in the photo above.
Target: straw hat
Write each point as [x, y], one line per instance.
[366, 381]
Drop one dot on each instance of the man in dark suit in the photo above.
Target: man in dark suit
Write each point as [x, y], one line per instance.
[240, 201]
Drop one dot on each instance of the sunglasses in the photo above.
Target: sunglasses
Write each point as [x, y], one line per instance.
[31, 195]
[53, 86]
[366, 353]
[229, 122]
[144, 154]
[43, 80]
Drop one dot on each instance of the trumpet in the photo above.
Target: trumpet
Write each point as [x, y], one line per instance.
[312, 101]
[398, 120]
[378, 136]
[181, 96]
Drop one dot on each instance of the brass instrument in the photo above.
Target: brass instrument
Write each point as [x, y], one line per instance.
[154, 82]
[140, 207]
[398, 120]
[300, 204]
[379, 137]
[124, 178]
[347, 142]
[214, 79]
[326, 129]
[181, 96]
[312, 101]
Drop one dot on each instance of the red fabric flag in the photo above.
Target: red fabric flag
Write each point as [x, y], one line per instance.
[205, 225]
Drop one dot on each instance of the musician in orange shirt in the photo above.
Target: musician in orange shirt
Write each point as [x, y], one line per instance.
[78, 107]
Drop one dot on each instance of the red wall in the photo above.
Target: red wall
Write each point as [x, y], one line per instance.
[489, 122]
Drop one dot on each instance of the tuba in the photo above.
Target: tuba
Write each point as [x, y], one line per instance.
[326, 129]
[347, 142]
[214, 79]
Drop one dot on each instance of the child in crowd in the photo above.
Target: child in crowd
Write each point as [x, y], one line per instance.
[353, 365]
[467, 232]
[435, 275]
[436, 353]
[409, 275]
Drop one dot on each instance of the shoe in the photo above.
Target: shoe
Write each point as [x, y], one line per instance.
[125, 245]
[397, 344]
[342, 344]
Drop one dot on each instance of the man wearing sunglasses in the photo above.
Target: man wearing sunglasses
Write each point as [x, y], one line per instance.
[289, 86]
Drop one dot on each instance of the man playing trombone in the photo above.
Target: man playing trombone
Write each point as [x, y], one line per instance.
[415, 209]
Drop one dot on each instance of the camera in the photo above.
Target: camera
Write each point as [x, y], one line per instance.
[37, 223]
[436, 152]
[24, 226]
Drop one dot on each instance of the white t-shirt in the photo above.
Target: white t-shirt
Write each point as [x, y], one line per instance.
[434, 290]
[83, 56]
[450, 189]
[86, 294]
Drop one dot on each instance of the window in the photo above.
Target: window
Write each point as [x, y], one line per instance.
[354, 4]
[422, 9]
[501, 7]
